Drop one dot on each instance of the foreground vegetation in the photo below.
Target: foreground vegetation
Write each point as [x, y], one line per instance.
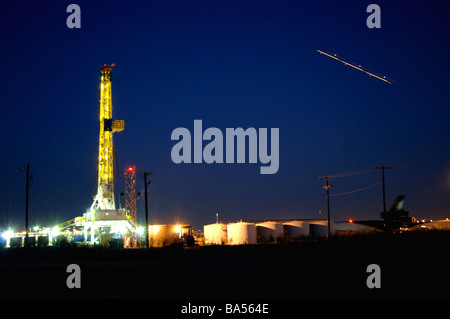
[413, 265]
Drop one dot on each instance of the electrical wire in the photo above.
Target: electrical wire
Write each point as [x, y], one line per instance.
[353, 172]
[355, 191]
[64, 169]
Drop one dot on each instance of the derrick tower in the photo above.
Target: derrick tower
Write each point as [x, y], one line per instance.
[104, 200]
[130, 192]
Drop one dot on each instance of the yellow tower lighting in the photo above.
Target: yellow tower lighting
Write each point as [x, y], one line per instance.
[105, 191]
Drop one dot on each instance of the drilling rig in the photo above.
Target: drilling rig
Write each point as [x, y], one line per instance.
[103, 218]
[105, 191]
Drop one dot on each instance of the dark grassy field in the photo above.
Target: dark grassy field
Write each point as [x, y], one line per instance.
[413, 265]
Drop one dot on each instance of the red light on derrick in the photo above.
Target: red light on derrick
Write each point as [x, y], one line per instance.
[350, 221]
[130, 169]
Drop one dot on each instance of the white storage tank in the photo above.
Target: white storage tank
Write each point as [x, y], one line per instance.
[269, 231]
[296, 228]
[215, 234]
[352, 227]
[320, 228]
[241, 233]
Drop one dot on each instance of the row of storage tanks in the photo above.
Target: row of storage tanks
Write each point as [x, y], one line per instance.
[241, 233]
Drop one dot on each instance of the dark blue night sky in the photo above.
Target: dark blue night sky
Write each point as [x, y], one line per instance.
[231, 64]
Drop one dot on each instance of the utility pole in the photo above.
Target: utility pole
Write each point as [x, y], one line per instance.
[28, 178]
[382, 177]
[145, 174]
[327, 187]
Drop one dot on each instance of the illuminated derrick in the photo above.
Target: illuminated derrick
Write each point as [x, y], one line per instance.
[105, 192]
[130, 192]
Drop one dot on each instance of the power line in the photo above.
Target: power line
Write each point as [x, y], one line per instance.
[145, 174]
[28, 179]
[382, 177]
[65, 169]
[355, 191]
[327, 187]
[353, 172]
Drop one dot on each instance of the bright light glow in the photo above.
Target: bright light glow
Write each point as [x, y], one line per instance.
[177, 229]
[122, 228]
[55, 231]
[8, 234]
[35, 228]
[140, 230]
[154, 229]
[130, 168]
[119, 228]
[350, 221]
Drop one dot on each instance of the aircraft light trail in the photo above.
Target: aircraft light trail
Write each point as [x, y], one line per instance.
[357, 66]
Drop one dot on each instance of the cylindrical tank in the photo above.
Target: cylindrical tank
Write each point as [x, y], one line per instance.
[15, 242]
[269, 231]
[320, 228]
[215, 234]
[296, 228]
[241, 233]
